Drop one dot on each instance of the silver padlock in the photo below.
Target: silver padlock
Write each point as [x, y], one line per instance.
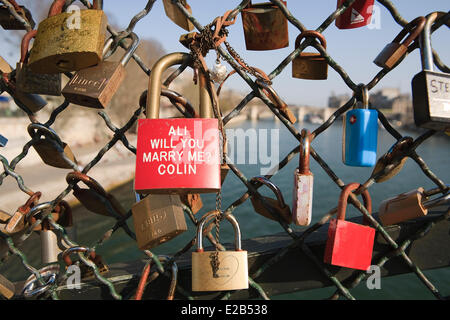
[219, 72]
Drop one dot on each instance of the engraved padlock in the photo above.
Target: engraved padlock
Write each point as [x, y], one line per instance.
[30, 82]
[265, 26]
[9, 22]
[309, 65]
[51, 149]
[303, 185]
[278, 204]
[157, 218]
[397, 49]
[63, 47]
[94, 87]
[407, 206]
[174, 13]
[430, 89]
[232, 272]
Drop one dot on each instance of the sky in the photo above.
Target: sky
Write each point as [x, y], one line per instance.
[353, 49]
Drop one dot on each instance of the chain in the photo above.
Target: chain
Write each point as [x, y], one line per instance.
[215, 264]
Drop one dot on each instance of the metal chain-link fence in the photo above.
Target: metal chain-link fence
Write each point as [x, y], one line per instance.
[225, 52]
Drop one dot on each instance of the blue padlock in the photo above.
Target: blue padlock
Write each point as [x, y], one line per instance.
[360, 135]
[3, 141]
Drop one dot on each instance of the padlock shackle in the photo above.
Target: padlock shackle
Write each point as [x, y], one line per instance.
[440, 201]
[35, 210]
[31, 202]
[311, 33]
[398, 147]
[154, 85]
[364, 98]
[131, 49]
[271, 94]
[43, 130]
[426, 51]
[414, 28]
[343, 198]
[304, 156]
[25, 44]
[211, 215]
[273, 187]
[66, 254]
[91, 183]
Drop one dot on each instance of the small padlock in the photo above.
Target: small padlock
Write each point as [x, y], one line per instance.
[309, 65]
[3, 141]
[85, 270]
[193, 201]
[177, 155]
[397, 150]
[7, 288]
[30, 82]
[95, 198]
[350, 244]
[358, 14]
[278, 204]
[360, 135]
[265, 26]
[303, 185]
[9, 22]
[31, 102]
[395, 50]
[430, 89]
[17, 222]
[51, 149]
[174, 13]
[158, 218]
[219, 72]
[407, 206]
[94, 87]
[61, 46]
[232, 272]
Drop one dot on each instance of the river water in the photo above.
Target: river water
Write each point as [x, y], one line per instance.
[435, 151]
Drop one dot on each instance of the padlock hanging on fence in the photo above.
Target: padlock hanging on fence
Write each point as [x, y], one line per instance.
[358, 14]
[9, 22]
[174, 13]
[309, 65]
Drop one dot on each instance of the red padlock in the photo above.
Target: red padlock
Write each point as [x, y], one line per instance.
[350, 244]
[177, 156]
[359, 14]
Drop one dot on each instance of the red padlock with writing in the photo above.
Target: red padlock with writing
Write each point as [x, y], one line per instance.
[350, 244]
[359, 14]
[177, 156]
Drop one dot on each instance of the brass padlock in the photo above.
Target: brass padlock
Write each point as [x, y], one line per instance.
[278, 204]
[94, 87]
[158, 219]
[265, 26]
[193, 201]
[95, 198]
[37, 83]
[51, 149]
[175, 14]
[407, 206]
[232, 269]
[63, 47]
[396, 151]
[395, 50]
[9, 22]
[309, 65]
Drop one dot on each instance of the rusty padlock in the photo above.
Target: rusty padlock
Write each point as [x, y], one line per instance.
[303, 185]
[309, 65]
[9, 22]
[265, 26]
[350, 244]
[407, 206]
[193, 201]
[232, 268]
[277, 204]
[30, 82]
[17, 221]
[51, 149]
[95, 198]
[392, 157]
[94, 87]
[396, 50]
[62, 47]
[85, 270]
[175, 14]
[276, 100]
[157, 219]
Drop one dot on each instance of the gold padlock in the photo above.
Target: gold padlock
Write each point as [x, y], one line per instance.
[232, 269]
[63, 47]
[51, 149]
[308, 65]
[175, 14]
